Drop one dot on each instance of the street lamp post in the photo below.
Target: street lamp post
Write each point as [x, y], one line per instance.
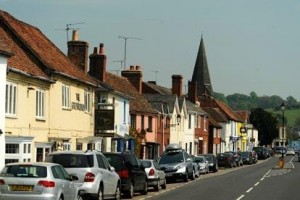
[282, 106]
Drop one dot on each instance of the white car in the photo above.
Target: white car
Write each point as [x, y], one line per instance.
[203, 163]
[37, 181]
[290, 152]
[155, 176]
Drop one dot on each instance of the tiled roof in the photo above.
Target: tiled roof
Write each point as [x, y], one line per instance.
[138, 103]
[227, 110]
[34, 53]
[216, 114]
[243, 115]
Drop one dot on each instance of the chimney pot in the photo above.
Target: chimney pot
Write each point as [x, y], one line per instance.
[138, 68]
[95, 50]
[75, 35]
[131, 67]
[101, 51]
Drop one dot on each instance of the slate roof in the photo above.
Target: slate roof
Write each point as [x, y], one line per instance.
[201, 72]
[156, 99]
[138, 103]
[35, 54]
[156, 88]
[192, 107]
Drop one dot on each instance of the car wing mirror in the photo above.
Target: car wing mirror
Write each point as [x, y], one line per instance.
[111, 168]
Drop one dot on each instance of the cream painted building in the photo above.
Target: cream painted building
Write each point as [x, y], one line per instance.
[3, 66]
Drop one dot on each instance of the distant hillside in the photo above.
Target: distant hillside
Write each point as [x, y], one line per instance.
[269, 103]
[247, 102]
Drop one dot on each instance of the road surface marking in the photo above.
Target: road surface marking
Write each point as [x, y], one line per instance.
[256, 183]
[249, 190]
[242, 196]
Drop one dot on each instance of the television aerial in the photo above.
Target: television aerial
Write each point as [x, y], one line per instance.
[125, 46]
[69, 27]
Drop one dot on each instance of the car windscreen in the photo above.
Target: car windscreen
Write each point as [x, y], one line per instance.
[171, 157]
[72, 160]
[209, 158]
[25, 171]
[199, 159]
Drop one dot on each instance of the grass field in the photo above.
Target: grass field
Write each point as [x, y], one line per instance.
[290, 115]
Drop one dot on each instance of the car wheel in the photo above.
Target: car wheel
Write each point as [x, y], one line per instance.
[61, 198]
[156, 187]
[129, 193]
[193, 175]
[118, 193]
[145, 190]
[100, 194]
[164, 186]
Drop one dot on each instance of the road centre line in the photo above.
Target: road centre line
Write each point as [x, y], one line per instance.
[242, 196]
[256, 183]
[249, 190]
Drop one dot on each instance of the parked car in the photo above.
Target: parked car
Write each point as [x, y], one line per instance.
[131, 171]
[280, 150]
[37, 181]
[212, 162]
[177, 163]
[203, 164]
[290, 151]
[247, 157]
[226, 160]
[155, 176]
[254, 156]
[96, 177]
[262, 152]
[237, 157]
[196, 167]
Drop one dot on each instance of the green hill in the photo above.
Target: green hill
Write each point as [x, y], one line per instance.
[291, 115]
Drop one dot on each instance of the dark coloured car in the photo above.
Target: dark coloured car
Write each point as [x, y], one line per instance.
[237, 157]
[262, 152]
[131, 171]
[226, 160]
[280, 150]
[212, 162]
[247, 157]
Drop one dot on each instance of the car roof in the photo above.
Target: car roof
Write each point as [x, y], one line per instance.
[45, 164]
[75, 152]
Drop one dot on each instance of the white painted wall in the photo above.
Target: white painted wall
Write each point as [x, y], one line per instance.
[3, 65]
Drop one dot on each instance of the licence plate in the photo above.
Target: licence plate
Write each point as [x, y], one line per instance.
[168, 174]
[21, 187]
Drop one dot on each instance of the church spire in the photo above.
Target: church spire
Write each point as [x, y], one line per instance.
[201, 72]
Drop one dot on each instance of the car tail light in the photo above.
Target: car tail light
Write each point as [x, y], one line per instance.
[2, 182]
[124, 173]
[89, 177]
[151, 172]
[47, 184]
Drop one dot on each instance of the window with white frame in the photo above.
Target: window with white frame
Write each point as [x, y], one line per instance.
[10, 99]
[66, 146]
[40, 103]
[199, 121]
[12, 148]
[66, 96]
[87, 101]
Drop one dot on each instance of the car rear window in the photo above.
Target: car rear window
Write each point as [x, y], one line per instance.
[115, 160]
[146, 163]
[72, 160]
[33, 171]
[171, 157]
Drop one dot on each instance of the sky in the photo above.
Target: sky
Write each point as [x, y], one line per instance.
[251, 45]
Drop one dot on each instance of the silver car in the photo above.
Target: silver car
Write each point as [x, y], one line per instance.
[155, 177]
[37, 181]
[96, 177]
[203, 164]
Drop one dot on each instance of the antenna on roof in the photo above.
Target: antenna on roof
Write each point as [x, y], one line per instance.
[119, 61]
[68, 27]
[125, 40]
[155, 71]
[116, 71]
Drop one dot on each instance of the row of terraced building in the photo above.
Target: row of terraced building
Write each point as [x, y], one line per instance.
[51, 101]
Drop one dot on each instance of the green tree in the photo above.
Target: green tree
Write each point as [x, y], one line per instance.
[266, 124]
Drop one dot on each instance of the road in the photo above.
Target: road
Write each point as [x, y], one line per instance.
[261, 181]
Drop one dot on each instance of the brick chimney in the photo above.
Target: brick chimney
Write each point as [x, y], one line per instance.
[177, 85]
[192, 91]
[98, 64]
[134, 75]
[78, 51]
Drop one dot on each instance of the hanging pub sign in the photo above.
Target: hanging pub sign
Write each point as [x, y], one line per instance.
[104, 120]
